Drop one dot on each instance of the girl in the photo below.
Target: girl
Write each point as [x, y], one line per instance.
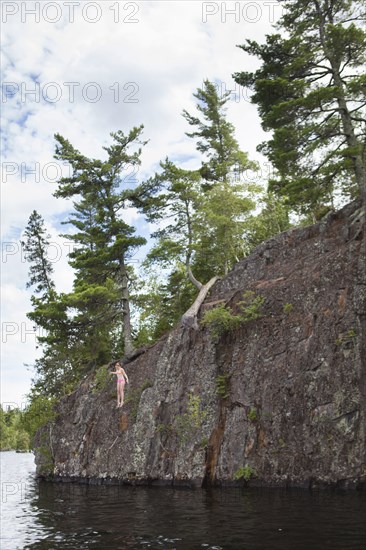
[122, 378]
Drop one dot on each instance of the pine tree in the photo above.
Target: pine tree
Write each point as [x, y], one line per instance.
[173, 195]
[203, 211]
[105, 242]
[216, 139]
[310, 91]
[49, 313]
[35, 246]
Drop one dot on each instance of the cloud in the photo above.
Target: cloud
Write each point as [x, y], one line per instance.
[137, 63]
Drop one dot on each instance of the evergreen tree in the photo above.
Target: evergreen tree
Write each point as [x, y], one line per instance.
[6, 434]
[310, 91]
[272, 219]
[225, 211]
[162, 302]
[216, 139]
[13, 435]
[173, 195]
[203, 211]
[49, 311]
[105, 242]
[35, 247]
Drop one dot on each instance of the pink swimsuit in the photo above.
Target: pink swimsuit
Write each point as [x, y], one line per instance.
[121, 381]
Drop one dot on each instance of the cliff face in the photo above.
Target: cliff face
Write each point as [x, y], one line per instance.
[280, 400]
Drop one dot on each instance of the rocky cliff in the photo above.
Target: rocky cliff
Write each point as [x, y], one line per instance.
[279, 400]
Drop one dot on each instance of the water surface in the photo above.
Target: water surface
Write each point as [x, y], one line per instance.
[49, 516]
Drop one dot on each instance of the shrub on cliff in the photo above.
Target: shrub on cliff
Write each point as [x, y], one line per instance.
[221, 319]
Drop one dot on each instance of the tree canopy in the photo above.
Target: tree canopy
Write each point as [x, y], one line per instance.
[310, 92]
[104, 240]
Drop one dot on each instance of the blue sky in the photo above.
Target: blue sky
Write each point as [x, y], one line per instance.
[87, 70]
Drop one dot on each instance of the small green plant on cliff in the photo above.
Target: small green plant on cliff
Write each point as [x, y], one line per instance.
[223, 385]
[281, 443]
[287, 308]
[221, 320]
[347, 338]
[101, 379]
[251, 306]
[252, 414]
[164, 429]
[192, 420]
[204, 442]
[245, 472]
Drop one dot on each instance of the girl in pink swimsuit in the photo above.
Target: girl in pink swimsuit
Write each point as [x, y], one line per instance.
[122, 378]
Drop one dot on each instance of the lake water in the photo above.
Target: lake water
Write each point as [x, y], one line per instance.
[47, 516]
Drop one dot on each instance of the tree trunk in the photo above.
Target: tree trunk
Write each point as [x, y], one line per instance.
[192, 278]
[352, 141]
[127, 333]
[189, 319]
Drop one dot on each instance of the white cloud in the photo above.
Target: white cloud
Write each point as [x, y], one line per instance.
[160, 60]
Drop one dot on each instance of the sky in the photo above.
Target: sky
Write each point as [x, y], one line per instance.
[86, 69]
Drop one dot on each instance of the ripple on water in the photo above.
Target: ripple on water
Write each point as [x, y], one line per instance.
[46, 516]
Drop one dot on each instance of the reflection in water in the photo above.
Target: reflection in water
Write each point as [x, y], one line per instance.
[72, 516]
[80, 516]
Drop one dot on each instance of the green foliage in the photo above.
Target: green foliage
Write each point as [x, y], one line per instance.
[105, 242]
[7, 432]
[215, 135]
[35, 247]
[17, 428]
[246, 473]
[40, 411]
[347, 338]
[287, 308]
[252, 414]
[310, 93]
[161, 303]
[272, 219]
[281, 443]
[251, 306]
[201, 215]
[101, 379]
[23, 442]
[164, 428]
[190, 423]
[90, 325]
[221, 320]
[225, 211]
[223, 385]
[49, 310]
